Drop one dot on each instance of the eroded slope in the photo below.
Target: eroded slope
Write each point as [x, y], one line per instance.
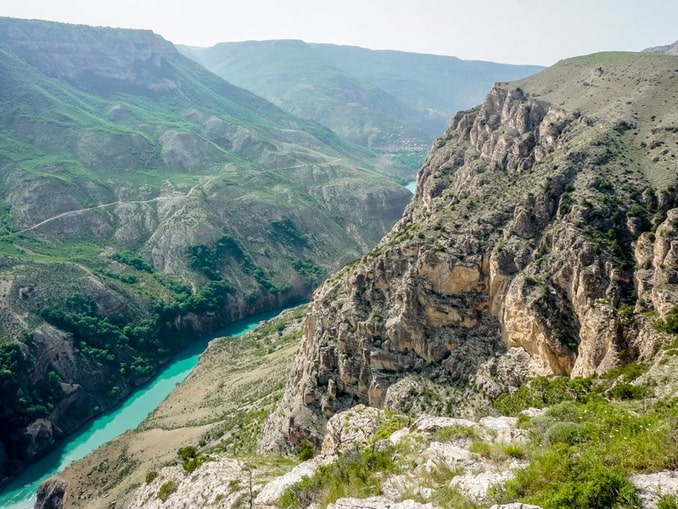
[541, 240]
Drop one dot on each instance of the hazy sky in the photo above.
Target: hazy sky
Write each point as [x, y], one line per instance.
[512, 31]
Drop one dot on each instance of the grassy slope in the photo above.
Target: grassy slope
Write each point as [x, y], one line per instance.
[384, 99]
[604, 95]
[113, 144]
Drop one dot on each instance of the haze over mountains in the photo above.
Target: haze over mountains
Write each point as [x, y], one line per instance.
[389, 101]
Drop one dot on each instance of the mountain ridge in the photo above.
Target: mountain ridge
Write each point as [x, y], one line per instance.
[388, 100]
[499, 268]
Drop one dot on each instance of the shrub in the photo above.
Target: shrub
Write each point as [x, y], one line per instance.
[389, 423]
[560, 478]
[450, 496]
[514, 451]
[586, 451]
[670, 324]
[481, 448]
[166, 489]
[667, 502]
[187, 452]
[355, 473]
[564, 432]
[627, 391]
[151, 476]
[306, 450]
[449, 433]
[191, 458]
[541, 391]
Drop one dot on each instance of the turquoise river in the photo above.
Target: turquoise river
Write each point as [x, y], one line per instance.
[20, 493]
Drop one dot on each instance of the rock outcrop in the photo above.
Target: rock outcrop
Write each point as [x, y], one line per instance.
[223, 482]
[541, 236]
[51, 494]
[669, 49]
[652, 487]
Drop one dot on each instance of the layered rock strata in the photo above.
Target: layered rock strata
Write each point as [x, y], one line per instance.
[541, 237]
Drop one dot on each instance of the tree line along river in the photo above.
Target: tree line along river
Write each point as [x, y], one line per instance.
[21, 492]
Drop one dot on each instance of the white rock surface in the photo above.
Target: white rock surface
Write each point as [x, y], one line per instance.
[475, 486]
[398, 436]
[504, 429]
[195, 489]
[448, 455]
[652, 486]
[430, 424]
[376, 503]
[354, 426]
[274, 489]
[533, 412]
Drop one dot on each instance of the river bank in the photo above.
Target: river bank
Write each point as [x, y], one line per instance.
[20, 493]
[220, 407]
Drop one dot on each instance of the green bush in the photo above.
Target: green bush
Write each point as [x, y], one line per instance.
[306, 450]
[541, 391]
[670, 324]
[151, 476]
[514, 451]
[355, 473]
[565, 433]
[624, 391]
[481, 448]
[667, 502]
[130, 259]
[166, 489]
[584, 453]
[389, 423]
[562, 478]
[192, 459]
[187, 452]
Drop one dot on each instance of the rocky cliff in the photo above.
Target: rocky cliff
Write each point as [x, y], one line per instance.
[542, 239]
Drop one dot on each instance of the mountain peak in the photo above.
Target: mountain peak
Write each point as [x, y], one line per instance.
[95, 59]
[669, 49]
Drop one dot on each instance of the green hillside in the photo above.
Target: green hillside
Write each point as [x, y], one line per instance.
[387, 100]
[144, 202]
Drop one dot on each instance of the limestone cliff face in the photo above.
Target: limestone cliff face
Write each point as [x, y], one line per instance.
[541, 230]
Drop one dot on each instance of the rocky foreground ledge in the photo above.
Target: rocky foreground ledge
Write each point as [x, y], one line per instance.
[433, 448]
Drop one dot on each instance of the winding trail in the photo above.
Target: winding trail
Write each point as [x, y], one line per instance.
[79, 211]
[175, 196]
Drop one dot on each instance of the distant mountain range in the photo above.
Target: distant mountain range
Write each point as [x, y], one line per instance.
[386, 100]
[669, 49]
